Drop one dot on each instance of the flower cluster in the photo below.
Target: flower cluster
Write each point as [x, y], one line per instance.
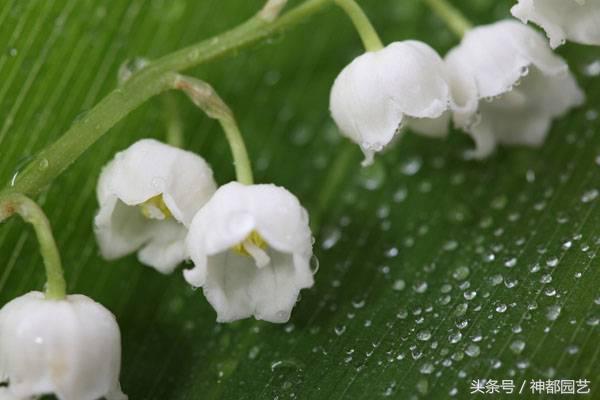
[502, 85]
[250, 244]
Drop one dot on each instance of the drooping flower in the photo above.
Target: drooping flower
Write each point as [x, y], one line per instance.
[70, 347]
[521, 85]
[148, 195]
[401, 85]
[574, 20]
[251, 247]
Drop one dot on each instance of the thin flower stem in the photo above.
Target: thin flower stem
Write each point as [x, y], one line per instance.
[173, 122]
[156, 77]
[365, 29]
[241, 161]
[206, 98]
[16, 203]
[453, 18]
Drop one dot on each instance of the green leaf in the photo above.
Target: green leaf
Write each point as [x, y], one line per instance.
[434, 271]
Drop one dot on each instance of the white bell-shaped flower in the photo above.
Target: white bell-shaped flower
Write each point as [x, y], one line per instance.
[574, 20]
[379, 92]
[251, 247]
[148, 195]
[69, 347]
[520, 86]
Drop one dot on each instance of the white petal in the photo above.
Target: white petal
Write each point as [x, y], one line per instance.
[166, 247]
[575, 20]
[71, 348]
[265, 284]
[237, 289]
[374, 94]
[235, 210]
[498, 55]
[522, 84]
[146, 169]
[149, 168]
[6, 394]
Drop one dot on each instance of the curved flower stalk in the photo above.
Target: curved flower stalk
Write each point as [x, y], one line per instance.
[404, 84]
[574, 20]
[69, 347]
[251, 247]
[521, 86]
[148, 195]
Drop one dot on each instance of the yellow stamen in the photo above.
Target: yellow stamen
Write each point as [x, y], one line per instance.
[155, 208]
[253, 238]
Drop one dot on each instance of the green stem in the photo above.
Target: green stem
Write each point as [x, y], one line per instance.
[173, 122]
[28, 210]
[154, 78]
[241, 161]
[206, 98]
[455, 20]
[363, 26]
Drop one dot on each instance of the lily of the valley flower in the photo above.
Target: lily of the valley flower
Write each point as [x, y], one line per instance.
[403, 84]
[69, 347]
[148, 195]
[251, 247]
[520, 83]
[574, 20]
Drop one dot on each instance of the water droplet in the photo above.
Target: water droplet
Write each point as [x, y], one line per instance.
[426, 368]
[546, 278]
[592, 68]
[411, 166]
[131, 67]
[552, 262]
[420, 286]
[553, 312]
[314, 264]
[253, 353]
[461, 273]
[470, 294]
[517, 346]
[450, 245]
[593, 321]
[358, 303]
[330, 238]
[472, 350]
[589, 196]
[424, 335]
[461, 309]
[501, 308]
[372, 177]
[339, 330]
[572, 349]
[455, 337]
[495, 280]
[399, 285]
[400, 195]
[510, 263]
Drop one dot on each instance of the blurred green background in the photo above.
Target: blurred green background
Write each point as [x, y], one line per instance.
[434, 271]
